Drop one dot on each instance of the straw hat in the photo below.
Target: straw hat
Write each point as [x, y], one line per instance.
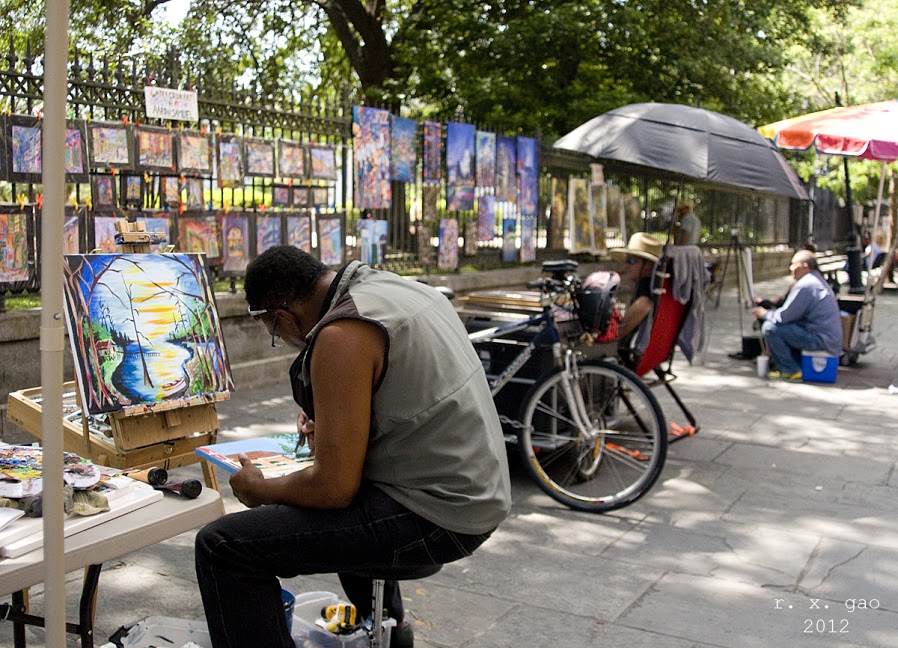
[641, 245]
[684, 204]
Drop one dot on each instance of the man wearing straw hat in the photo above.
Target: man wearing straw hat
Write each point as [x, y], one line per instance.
[640, 257]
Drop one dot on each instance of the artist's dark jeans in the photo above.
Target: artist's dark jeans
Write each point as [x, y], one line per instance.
[240, 557]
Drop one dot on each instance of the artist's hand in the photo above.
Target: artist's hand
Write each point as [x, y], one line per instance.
[306, 429]
[247, 484]
[759, 312]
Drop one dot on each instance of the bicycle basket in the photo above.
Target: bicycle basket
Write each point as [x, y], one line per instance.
[595, 301]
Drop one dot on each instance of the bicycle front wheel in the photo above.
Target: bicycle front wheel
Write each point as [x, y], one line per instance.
[611, 460]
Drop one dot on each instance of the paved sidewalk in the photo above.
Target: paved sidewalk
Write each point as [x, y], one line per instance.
[775, 527]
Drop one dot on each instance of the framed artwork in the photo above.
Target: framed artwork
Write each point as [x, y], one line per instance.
[403, 150]
[301, 197]
[280, 195]
[506, 170]
[103, 193]
[110, 146]
[291, 159]
[200, 233]
[104, 234]
[132, 190]
[321, 198]
[195, 193]
[528, 178]
[459, 167]
[426, 253]
[229, 150]
[447, 257]
[235, 255]
[509, 242]
[371, 157]
[76, 169]
[528, 239]
[71, 230]
[579, 216]
[170, 190]
[258, 155]
[194, 153]
[155, 149]
[433, 140]
[371, 241]
[299, 232]
[558, 214]
[16, 246]
[470, 237]
[429, 199]
[485, 147]
[486, 218]
[160, 225]
[323, 163]
[169, 350]
[268, 232]
[330, 240]
[24, 148]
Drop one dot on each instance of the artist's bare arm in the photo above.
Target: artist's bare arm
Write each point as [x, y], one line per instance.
[635, 314]
[346, 362]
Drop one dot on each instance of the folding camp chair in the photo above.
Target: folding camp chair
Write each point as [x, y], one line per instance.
[668, 317]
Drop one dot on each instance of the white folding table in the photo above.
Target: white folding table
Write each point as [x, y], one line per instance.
[146, 526]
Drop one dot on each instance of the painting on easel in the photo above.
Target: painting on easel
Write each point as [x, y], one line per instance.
[145, 332]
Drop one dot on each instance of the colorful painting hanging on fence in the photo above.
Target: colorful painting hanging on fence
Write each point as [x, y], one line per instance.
[300, 197]
[321, 198]
[104, 234]
[25, 149]
[155, 149]
[299, 232]
[259, 157]
[235, 230]
[144, 332]
[160, 225]
[330, 241]
[291, 159]
[486, 159]
[372, 241]
[194, 193]
[433, 141]
[448, 254]
[103, 192]
[598, 207]
[230, 161]
[429, 199]
[403, 150]
[528, 178]
[199, 234]
[71, 234]
[75, 151]
[268, 232]
[280, 196]
[371, 157]
[470, 238]
[194, 153]
[459, 167]
[580, 218]
[110, 146]
[13, 247]
[528, 239]
[426, 253]
[558, 214]
[509, 239]
[133, 191]
[171, 191]
[323, 163]
[506, 170]
[486, 218]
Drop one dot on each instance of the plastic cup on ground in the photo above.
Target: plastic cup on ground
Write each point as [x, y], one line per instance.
[763, 365]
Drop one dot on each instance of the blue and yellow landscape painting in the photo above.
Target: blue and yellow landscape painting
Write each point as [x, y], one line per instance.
[144, 331]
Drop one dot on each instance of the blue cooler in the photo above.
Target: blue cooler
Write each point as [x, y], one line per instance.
[819, 366]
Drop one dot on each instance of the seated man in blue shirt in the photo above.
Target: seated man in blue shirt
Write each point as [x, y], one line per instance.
[808, 320]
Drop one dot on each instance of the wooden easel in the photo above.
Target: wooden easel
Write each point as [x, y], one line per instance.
[164, 436]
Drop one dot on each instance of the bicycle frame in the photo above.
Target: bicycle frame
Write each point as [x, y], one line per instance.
[548, 333]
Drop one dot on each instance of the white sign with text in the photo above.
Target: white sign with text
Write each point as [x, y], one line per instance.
[165, 103]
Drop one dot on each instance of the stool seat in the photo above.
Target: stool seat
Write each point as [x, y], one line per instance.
[399, 573]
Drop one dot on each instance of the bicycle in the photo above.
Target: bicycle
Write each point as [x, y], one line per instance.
[590, 432]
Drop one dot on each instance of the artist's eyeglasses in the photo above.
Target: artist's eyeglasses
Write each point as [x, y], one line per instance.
[276, 340]
[257, 314]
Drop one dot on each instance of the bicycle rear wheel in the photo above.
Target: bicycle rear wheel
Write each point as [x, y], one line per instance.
[611, 464]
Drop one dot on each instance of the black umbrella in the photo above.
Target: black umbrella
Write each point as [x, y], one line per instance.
[692, 142]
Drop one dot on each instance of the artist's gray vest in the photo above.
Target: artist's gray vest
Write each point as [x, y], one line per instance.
[436, 443]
